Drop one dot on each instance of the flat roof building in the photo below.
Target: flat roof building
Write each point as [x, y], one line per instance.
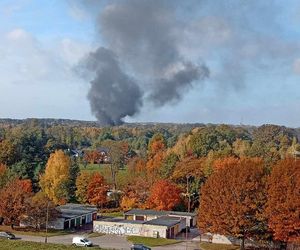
[148, 223]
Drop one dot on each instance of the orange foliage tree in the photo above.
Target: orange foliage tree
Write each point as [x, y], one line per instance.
[13, 198]
[156, 155]
[233, 199]
[136, 193]
[82, 183]
[164, 195]
[226, 162]
[283, 205]
[97, 190]
[92, 156]
[26, 185]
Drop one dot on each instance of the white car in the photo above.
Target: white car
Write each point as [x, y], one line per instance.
[81, 242]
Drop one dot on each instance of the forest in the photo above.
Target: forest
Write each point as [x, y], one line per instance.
[242, 181]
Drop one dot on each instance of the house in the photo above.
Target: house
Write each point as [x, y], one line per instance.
[98, 156]
[148, 223]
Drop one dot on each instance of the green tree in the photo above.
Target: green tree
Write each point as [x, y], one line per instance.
[168, 165]
[7, 152]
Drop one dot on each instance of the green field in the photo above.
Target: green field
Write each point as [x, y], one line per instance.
[212, 246]
[26, 245]
[151, 242]
[104, 170]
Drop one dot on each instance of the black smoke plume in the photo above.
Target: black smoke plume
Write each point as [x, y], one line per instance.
[141, 40]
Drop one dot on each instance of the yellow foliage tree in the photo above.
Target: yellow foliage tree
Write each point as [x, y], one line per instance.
[55, 180]
[82, 183]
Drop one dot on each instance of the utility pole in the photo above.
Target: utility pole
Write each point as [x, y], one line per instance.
[189, 208]
[188, 192]
[47, 218]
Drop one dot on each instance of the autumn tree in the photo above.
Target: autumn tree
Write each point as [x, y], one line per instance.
[189, 175]
[4, 175]
[164, 195]
[36, 210]
[136, 193]
[224, 163]
[283, 205]
[8, 152]
[156, 144]
[97, 190]
[92, 156]
[156, 155]
[117, 152]
[13, 201]
[82, 183]
[233, 199]
[168, 165]
[55, 181]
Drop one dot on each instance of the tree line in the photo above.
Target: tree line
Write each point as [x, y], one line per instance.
[243, 181]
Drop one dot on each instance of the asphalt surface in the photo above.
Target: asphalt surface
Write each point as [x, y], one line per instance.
[108, 241]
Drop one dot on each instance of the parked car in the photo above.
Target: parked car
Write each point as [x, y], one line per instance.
[7, 235]
[81, 241]
[139, 247]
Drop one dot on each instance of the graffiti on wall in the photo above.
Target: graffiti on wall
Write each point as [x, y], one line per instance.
[117, 229]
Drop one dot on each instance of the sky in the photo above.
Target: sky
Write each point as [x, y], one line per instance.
[223, 61]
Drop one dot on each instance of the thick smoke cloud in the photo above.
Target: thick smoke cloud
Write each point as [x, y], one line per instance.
[162, 44]
[113, 94]
[143, 36]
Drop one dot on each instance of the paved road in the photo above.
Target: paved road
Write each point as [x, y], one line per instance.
[108, 241]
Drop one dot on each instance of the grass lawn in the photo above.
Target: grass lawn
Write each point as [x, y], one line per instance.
[213, 246]
[92, 167]
[26, 245]
[104, 170]
[23, 231]
[151, 242]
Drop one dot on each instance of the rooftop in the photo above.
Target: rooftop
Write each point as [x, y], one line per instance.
[157, 213]
[70, 210]
[164, 221]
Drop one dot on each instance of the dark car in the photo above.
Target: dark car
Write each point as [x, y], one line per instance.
[139, 247]
[7, 235]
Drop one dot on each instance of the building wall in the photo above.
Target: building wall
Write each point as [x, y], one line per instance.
[129, 229]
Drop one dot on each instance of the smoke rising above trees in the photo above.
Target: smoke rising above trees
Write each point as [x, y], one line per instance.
[162, 49]
[140, 62]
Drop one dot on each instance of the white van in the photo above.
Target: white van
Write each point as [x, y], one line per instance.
[81, 241]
